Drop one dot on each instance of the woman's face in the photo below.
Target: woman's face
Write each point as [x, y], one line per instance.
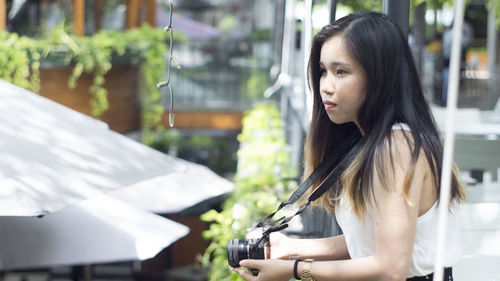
[342, 83]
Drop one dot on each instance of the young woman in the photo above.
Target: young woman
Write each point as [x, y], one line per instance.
[363, 78]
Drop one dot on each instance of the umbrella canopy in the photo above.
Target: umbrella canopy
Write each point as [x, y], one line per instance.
[52, 156]
[174, 192]
[99, 230]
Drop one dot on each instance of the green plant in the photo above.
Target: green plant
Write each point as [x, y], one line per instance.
[262, 162]
[495, 4]
[256, 84]
[260, 35]
[20, 59]
[226, 23]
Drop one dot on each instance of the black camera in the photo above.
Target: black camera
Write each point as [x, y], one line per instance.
[254, 246]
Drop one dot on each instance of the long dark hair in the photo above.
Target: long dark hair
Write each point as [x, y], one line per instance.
[393, 95]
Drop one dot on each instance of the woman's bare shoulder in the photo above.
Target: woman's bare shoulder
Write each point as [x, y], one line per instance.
[402, 163]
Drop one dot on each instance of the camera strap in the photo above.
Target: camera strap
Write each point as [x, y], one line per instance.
[334, 159]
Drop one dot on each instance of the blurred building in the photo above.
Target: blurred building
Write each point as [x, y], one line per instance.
[225, 68]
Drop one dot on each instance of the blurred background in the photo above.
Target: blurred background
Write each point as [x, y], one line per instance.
[241, 109]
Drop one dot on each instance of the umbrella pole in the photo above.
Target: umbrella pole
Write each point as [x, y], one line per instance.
[87, 273]
[449, 138]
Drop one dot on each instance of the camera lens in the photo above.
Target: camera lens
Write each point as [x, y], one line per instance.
[236, 251]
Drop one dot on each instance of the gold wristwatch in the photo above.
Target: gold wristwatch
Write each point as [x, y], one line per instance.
[306, 271]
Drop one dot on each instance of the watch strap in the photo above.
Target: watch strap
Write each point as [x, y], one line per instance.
[306, 270]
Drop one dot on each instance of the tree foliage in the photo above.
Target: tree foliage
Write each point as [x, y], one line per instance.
[362, 5]
[495, 4]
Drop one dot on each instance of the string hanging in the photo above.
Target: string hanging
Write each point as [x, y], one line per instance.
[171, 60]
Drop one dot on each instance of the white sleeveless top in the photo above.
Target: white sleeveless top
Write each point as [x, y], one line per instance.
[359, 235]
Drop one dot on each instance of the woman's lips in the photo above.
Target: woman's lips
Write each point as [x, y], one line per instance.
[329, 105]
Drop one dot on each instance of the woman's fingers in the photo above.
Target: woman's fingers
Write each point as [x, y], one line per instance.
[265, 270]
[247, 275]
[251, 263]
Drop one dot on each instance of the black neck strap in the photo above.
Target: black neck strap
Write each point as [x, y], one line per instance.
[332, 160]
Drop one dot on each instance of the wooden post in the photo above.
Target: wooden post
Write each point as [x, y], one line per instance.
[3, 16]
[152, 12]
[79, 16]
[132, 13]
[98, 15]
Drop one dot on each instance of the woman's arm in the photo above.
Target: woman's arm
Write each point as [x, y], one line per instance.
[331, 248]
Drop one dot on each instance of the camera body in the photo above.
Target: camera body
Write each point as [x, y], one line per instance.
[254, 246]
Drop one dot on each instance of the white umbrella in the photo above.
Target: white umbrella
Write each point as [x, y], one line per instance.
[193, 183]
[52, 156]
[99, 230]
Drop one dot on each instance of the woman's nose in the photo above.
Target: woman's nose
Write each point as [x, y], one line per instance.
[327, 89]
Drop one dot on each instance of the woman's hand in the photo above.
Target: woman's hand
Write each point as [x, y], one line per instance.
[280, 246]
[270, 269]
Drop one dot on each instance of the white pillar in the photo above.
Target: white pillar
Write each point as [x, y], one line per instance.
[449, 139]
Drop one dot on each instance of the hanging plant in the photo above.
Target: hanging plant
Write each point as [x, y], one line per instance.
[20, 59]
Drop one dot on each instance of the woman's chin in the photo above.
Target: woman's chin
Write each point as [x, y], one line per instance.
[337, 120]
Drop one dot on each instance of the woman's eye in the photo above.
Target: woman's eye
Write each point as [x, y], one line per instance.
[340, 72]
